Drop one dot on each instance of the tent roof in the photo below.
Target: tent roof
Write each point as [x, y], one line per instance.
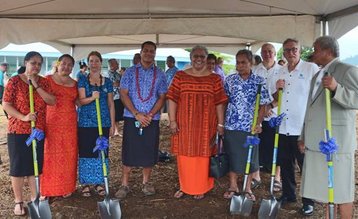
[113, 25]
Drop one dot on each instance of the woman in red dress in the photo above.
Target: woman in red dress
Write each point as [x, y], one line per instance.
[17, 104]
[61, 151]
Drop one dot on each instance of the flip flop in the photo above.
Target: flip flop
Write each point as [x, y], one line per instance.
[277, 186]
[230, 193]
[99, 190]
[199, 197]
[179, 194]
[22, 209]
[255, 183]
[250, 196]
[86, 191]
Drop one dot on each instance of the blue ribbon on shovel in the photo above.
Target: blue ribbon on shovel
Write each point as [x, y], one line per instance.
[102, 143]
[251, 140]
[328, 147]
[36, 134]
[276, 121]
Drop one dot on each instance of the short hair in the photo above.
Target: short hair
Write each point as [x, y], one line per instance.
[82, 64]
[31, 54]
[289, 40]
[149, 43]
[245, 52]
[258, 59]
[4, 64]
[67, 56]
[199, 47]
[211, 57]
[123, 68]
[94, 53]
[171, 58]
[112, 59]
[328, 42]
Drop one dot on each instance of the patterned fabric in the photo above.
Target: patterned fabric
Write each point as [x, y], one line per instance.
[146, 76]
[2, 78]
[170, 74]
[115, 77]
[61, 151]
[87, 116]
[79, 75]
[89, 171]
[17, 93]
[196, 98]
[218, 70]
[242, 98]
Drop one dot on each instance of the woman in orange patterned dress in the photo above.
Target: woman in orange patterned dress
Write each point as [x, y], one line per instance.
[196, 112]
[61, 151]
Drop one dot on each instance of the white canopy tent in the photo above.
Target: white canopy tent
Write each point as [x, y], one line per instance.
[79, 26]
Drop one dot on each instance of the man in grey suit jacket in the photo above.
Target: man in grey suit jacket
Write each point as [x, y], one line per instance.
[343, 84]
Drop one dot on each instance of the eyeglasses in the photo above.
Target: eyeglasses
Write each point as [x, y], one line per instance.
[199, 56]
[293, 49]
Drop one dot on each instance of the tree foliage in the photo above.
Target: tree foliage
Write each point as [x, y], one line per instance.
[306, 52]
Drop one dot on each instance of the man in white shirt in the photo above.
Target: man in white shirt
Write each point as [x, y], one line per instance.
[295, 79]
[268, 69]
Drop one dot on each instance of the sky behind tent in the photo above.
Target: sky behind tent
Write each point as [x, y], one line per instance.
[348, 46]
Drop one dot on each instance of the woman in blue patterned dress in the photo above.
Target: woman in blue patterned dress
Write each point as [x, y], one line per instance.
[241, 88]
[91, 87]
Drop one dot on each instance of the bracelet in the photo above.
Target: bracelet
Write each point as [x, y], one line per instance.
[221, 125]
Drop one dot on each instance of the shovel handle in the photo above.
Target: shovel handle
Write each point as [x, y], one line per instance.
[256, 111]
[34, 143]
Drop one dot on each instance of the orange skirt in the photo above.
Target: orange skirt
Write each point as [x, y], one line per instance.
[194, 175]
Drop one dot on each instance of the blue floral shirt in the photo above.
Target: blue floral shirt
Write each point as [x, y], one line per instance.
[145, 79]
[242, 97]
[170, 73]
[87, 115]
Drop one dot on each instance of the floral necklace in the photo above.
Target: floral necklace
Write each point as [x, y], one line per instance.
[152, 86]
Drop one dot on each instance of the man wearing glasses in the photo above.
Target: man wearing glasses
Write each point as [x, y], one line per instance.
[294, 79]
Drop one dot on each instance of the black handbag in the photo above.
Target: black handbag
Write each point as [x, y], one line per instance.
[219, 163]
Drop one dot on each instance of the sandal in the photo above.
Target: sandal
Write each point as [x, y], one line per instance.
[99, 190]
[178, 194]
[255, 183]
[250, 196]
[22, 209]
[230, 193]
[199, 197]
[86, 192]
[122, 192]
[277, 186]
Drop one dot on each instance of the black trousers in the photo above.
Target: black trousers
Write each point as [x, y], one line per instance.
[267, 137]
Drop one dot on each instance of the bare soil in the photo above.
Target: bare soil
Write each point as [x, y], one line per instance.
[136, 205]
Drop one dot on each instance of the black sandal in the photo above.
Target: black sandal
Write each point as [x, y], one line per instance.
[22, 209]
[100, 190]
[86, 191]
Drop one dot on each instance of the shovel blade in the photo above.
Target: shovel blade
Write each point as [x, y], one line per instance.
[109, 209]
[39, 209]
[241, 205]
[269, 208]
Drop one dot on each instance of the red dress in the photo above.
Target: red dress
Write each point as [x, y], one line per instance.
[61, 151]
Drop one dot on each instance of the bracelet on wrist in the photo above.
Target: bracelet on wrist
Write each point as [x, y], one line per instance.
[221, 125]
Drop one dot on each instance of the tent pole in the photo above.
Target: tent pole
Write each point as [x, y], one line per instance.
[72, 51]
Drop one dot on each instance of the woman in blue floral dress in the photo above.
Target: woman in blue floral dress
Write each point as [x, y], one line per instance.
[241, 88]
[91, 87]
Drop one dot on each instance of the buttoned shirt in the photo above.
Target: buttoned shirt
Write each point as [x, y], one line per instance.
[218, 70]
[145, 78]
[295, 96]
[320, 76]
[270, 76]
[242, 97]
[114, 76]
[170, 74]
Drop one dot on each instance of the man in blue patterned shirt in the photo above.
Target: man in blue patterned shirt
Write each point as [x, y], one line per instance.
[143, 88]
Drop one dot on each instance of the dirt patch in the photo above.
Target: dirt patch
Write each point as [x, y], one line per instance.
[136, 205]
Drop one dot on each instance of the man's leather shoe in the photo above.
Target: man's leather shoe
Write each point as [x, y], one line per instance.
[307, 210]
[285, 200]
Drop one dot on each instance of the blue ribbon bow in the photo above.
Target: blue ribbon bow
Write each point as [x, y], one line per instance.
[328, 147]
[36, 134]
[276, 121]
[102, 144]
[251, 140]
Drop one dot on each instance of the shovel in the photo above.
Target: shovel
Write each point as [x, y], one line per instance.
[240, 204]
[37, 208]
[269, 207]
[328, 135]
[108, 208]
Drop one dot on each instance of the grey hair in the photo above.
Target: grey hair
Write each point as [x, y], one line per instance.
[289, 40]
[328, 42]
[199, 47]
